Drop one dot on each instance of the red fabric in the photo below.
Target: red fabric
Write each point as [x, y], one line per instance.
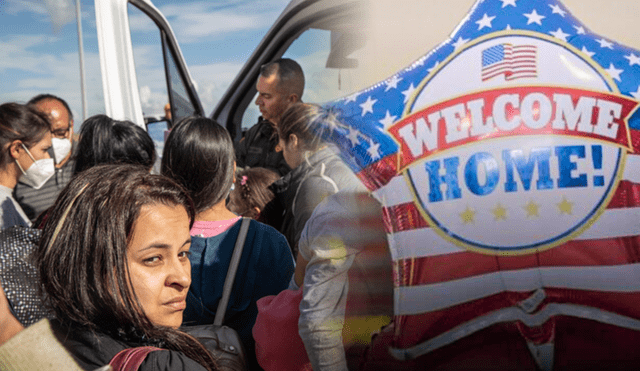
[130, 359]
[278, 344]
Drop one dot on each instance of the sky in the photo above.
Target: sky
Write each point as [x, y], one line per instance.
[39, 44]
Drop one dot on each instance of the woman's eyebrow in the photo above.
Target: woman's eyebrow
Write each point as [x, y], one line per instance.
[161, 245]
[156, 246]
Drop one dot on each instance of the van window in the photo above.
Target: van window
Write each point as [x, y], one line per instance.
[147, 54]
[163, 90]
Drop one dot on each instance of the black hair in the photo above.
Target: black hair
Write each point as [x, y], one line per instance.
[199, 155]
[20, 122]
[82, 255]
[42, 97]
[290, 75]
[104, 140]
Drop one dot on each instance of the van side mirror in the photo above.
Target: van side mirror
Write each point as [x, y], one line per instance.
[343, 43]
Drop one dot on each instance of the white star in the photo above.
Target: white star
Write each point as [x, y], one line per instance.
[508, 2]
[560, 34]
[508, 28]
[459, 43]
[556, 10]
[392, 83]
[605, 44]
[420, 62]
[351, 98]
[580, 30]
[409, 92]
[485, 21]
[368, 105]
[374, 150]
[587, 52]
[614, 72]
[636, 94]
[534, 17]
[353, 137]
[434, 67]
[633, 59]
[388, 120]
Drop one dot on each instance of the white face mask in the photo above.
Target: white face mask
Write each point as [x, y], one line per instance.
[38, 173]
[61, 148]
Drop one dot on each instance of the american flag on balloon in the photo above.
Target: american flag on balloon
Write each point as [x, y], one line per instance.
[512, 61]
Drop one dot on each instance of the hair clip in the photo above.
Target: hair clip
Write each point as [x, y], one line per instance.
[244, 180]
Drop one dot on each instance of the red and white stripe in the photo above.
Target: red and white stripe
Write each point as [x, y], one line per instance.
[437, 279]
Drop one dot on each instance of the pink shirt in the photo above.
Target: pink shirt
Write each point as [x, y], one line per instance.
[210, 229]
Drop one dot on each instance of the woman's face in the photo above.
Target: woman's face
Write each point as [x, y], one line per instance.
[158, 261]
[39, 151]
[292, 152]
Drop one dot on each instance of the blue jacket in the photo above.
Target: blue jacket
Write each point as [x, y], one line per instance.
[265, 268]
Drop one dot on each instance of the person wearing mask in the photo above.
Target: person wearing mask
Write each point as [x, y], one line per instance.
[25, 138]
[103, 141]
[34, 201]
[280, 85]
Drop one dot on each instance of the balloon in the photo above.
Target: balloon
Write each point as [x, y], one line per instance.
[506, 160]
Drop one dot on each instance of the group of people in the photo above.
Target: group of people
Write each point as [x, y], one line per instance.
[124, 257]
[111, 255]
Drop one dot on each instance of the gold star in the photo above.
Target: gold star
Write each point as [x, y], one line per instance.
[468, 216]
[499, 213]
[533, 209]
[565, 206]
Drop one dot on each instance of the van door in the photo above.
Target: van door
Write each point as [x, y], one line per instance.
[121, 76]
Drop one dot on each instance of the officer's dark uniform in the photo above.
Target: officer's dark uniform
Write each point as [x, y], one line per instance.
[258, 149]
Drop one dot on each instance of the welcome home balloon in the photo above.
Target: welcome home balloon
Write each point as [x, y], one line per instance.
[506, 161]
[522, 121]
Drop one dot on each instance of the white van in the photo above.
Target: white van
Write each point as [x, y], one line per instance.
[343, 46]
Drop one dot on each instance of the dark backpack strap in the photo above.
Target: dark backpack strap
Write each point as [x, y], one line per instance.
[231, 272]
[130, 359]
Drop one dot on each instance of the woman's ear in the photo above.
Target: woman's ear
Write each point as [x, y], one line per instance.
[293, 140]
[254, 212]
[14, 148]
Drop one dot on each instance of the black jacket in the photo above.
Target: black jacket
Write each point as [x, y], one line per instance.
[94, 350]
[258, 149]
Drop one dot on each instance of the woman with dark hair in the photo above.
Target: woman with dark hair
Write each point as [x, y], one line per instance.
[25, 138]
[104, 140]
[317, 170]
[113, 263]
[199, 156]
